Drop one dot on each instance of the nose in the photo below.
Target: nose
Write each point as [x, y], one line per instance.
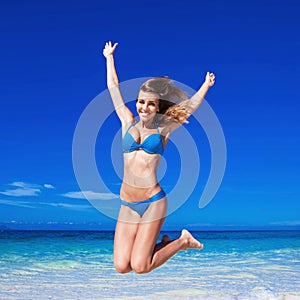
[145, 106]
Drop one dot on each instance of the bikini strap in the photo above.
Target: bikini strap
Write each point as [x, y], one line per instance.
[156, 126]
[132, 124]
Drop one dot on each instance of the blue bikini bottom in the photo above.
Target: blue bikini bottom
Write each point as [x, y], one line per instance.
[141, 206]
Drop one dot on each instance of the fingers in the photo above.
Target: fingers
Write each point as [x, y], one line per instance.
[109, 49]
[114, 46]
[210, 78]
[109, 44]
[210, 74]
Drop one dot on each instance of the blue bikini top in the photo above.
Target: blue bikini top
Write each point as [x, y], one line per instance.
[152, 144]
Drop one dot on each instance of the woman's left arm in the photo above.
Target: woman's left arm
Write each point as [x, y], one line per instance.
[193, 103]
[183, 110]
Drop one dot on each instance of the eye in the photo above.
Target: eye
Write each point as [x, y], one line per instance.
[141, 101]
[152, 103]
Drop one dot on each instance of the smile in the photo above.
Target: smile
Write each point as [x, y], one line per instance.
[143, 114]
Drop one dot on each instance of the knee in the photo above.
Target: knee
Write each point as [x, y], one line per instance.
[140, 267]
[122, 267]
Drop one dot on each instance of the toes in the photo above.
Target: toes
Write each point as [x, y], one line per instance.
[165, 239]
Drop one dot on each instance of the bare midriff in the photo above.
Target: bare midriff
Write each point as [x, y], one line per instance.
[140, 180]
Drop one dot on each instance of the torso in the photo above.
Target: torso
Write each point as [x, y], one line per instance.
[140, 180]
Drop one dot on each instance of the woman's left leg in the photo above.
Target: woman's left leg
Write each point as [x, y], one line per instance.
[144, 245]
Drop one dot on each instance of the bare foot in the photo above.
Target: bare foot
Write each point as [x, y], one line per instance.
[165, 239]
[189, 241]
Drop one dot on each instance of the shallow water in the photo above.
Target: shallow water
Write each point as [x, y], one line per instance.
[79, 265]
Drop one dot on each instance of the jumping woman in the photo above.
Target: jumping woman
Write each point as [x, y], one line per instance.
[162, 108]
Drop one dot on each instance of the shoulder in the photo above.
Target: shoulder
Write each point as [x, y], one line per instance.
[167, 127]
[126, 124]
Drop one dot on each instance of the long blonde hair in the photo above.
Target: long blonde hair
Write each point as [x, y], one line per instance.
[171, 99]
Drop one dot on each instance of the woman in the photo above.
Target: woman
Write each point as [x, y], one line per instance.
[143, 202]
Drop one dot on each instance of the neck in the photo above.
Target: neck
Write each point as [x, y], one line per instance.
[147, 124]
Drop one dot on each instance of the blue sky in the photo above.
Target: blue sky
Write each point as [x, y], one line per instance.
[52, 68]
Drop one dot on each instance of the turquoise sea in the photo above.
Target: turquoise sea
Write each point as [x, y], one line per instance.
[79, 265]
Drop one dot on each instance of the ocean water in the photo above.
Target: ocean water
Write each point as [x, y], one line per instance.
[79, 265]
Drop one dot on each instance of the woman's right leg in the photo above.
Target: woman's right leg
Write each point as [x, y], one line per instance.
[125, 234]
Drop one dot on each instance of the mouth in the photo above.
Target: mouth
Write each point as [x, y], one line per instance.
[143, 114]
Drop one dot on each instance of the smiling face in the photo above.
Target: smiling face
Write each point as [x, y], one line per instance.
[147, 106]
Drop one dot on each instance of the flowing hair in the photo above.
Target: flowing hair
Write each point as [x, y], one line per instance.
[171, 98]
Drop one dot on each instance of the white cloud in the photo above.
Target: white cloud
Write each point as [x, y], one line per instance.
[71, 206]
[286, 223]
[24, 185]
[48, 186]
[90, 195]
[24, 189]
[28, 204]
[21, 192]
[17, 203]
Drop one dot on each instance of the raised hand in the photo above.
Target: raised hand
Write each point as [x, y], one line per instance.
[210, 79]
[109, 49]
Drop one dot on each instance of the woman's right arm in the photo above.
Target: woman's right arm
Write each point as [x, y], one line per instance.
[122, 110]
